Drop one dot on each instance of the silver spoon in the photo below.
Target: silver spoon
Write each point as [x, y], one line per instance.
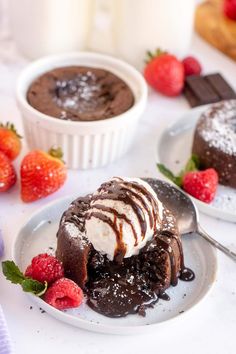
[185, 211]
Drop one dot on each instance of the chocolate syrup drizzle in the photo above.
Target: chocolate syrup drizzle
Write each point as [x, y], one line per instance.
[186, 274]
[128, 193]
[119, 216]
[118, 231]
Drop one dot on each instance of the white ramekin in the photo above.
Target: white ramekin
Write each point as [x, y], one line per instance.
[85, 144]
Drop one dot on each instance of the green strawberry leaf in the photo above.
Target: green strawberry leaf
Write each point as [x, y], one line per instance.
[34, 287]
[11, 127]
[13, 273]
[151, 55]
[166, 172]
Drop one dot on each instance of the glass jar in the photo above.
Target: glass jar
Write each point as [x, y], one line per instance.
[42, 27]
[141, 25]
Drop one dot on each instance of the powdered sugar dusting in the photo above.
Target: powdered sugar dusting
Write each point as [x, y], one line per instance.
[218, 126]
[77, 93]
[225, 199]
[72, 229]
[74, 232]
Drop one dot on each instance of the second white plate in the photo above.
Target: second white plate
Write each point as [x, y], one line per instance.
[174, 149]
[38, 235]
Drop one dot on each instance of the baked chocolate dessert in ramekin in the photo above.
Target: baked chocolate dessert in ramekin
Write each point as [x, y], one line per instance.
[80, 93]
[87, 103]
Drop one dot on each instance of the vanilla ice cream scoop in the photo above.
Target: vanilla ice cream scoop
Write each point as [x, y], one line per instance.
[124, 215]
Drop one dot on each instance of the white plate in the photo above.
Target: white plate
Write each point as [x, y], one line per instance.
[39, 234]
[174, 149]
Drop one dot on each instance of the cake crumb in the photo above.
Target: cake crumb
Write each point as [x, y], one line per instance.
[142, 311]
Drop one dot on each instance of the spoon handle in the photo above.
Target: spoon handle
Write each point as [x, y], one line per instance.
[215, 243]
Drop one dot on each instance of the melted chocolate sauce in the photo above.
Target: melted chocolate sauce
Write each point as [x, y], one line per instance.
[187, 274]
[117, 290]
[165, 245]
[164, 296]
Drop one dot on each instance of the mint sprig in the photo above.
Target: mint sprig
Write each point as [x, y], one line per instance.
[166, 172]
[13, 273]
[191, 165]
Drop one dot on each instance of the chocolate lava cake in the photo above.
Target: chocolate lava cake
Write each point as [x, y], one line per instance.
[123, 285]
[80, 93]
[215, 141]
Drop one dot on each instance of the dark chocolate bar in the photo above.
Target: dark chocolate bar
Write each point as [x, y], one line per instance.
[200, 90]
[220, 86]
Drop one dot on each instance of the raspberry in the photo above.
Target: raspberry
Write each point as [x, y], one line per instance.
[201, 184]
[229, 9]
[45, 268]
[191, 66]
[64, 294]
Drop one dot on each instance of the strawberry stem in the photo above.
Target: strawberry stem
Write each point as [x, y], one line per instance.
[156, 53]
[10, 126]
[56, 153]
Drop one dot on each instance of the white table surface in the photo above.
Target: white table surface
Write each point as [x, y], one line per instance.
[209, 328]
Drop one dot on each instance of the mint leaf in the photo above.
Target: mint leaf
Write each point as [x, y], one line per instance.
[166, 172]
[196, 160]
[13, 273]
[34, 286]
[162, 168]
[192, 164]
[178, 181]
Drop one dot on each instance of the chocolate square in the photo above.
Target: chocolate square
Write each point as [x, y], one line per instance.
[200, 90]
[220, 86]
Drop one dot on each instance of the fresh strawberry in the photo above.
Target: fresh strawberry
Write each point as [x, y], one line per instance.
[201, 184]
[191, 66]
[165, 73]
[229, 9]
[45, 268]
[64, 294]
[7, 173]
[10, 142]
[41, 174]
